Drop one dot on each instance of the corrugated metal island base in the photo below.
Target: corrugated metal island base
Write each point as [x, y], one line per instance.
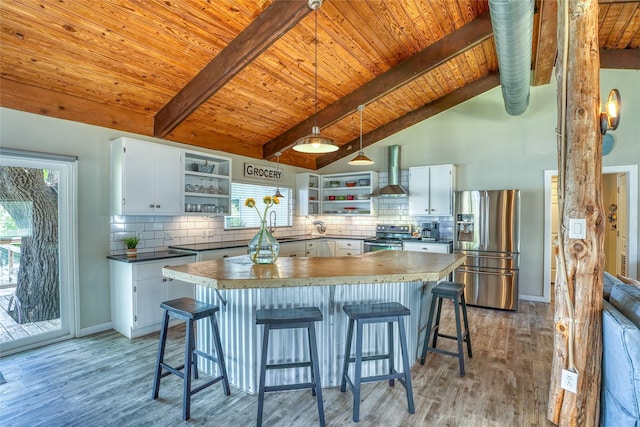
[240, 288]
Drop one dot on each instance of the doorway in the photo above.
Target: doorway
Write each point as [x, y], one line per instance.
[619, 239]
[38, 267]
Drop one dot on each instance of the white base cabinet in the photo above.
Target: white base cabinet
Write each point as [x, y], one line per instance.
[221, 253]
[138, 289]
[431, 190]
[441, 248]
[292, 249]
[348, 247]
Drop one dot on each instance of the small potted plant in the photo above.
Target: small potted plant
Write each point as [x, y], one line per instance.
[131, 243]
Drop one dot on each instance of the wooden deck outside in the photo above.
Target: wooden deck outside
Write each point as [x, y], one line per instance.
[10, 329]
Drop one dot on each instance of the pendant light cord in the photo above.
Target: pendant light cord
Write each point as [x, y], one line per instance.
[315, 43]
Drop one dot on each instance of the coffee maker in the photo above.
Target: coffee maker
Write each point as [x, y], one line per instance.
[430, 230]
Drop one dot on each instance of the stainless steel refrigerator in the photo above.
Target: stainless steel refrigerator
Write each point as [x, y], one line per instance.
[487, 230]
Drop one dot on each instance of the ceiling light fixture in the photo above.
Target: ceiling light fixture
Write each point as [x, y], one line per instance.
[610, 117]
[315, 143]
[361, 159]
[278, 193]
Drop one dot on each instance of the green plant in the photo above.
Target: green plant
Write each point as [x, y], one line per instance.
[131, 242]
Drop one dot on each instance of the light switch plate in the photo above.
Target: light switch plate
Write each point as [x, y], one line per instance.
[577, 228]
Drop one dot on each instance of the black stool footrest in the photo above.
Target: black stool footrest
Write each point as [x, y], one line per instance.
[288, 365]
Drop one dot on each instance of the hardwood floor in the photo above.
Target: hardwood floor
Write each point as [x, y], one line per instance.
[106, 379]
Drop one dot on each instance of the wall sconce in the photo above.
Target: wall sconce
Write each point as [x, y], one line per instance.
[610, 117]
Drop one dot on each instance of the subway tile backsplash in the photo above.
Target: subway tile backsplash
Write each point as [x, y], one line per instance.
[159, 232]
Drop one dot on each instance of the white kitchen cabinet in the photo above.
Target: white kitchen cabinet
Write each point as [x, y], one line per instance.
[348, 247]
[308, 193]
[441, 248]
[146, 178]
[138, 289]
[292, 249]
[431, 190]
[221, 253]
[207, 184]
[349, 193]
[311, 248]
[325, 248]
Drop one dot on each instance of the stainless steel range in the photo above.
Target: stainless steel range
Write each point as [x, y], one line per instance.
[389, 237]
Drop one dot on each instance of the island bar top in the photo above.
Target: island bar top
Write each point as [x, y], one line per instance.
[373, 267]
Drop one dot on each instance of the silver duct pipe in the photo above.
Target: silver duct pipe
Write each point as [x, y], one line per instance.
[393, 189]
[512, 22]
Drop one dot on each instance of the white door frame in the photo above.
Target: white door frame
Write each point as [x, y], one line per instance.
[632, 180]
[67, 244]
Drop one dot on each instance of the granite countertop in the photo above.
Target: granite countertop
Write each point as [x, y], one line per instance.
[373, 267]
[149, 256]
[198, 247]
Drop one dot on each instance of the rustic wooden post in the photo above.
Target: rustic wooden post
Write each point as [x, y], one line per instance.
[580, 267]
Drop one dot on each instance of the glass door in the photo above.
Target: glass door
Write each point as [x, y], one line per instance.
[37, 250]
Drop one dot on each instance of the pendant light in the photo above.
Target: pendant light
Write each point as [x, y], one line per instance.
[361, 159]
[315, 142]
[278, 193]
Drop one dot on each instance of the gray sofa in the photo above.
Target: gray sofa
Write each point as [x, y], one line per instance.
[620, 388]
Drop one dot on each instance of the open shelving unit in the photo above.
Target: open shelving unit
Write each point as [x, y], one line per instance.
[207, 184]
[349, 193]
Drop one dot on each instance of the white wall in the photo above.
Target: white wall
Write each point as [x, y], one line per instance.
[492, 150]
[489, 148]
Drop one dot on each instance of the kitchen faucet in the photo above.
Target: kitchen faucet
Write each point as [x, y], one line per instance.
[272, 222]
[320, 227]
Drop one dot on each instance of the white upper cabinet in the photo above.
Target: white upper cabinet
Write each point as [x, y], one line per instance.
[146, 178]
[431, 190]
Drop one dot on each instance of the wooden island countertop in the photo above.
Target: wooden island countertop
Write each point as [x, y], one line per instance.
[373, 267]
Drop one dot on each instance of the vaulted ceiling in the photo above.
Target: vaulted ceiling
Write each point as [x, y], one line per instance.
[238, 75]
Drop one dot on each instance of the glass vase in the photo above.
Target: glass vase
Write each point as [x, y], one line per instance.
[264, 248]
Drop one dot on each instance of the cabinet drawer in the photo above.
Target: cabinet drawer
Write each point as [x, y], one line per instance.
[355, 245]
[149, 270]
[426, 247]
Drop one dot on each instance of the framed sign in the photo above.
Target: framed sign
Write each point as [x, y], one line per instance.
[262, 172]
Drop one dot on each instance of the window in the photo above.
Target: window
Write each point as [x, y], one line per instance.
[244, 217]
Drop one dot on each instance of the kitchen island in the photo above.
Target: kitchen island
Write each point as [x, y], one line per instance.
[240, 287]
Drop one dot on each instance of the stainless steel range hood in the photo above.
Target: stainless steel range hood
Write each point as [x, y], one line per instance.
[393, 189]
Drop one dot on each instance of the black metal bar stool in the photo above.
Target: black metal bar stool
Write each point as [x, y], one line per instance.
[290, 318]
[455, 292]
[361, 314]
[190, 311]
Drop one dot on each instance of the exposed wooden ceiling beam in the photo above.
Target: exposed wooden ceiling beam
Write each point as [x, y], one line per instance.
[546, 46]
[429, 110]
[273, 23]
[433, 56]
[625, 59]
[33, 99]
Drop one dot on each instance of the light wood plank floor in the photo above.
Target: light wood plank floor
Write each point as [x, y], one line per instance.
[105, 379]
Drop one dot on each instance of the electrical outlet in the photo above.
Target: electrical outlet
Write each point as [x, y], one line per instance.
[569, 381]
[167, 236]
[210, 233]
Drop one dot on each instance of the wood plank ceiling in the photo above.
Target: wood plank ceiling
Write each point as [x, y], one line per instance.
[238, 75]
